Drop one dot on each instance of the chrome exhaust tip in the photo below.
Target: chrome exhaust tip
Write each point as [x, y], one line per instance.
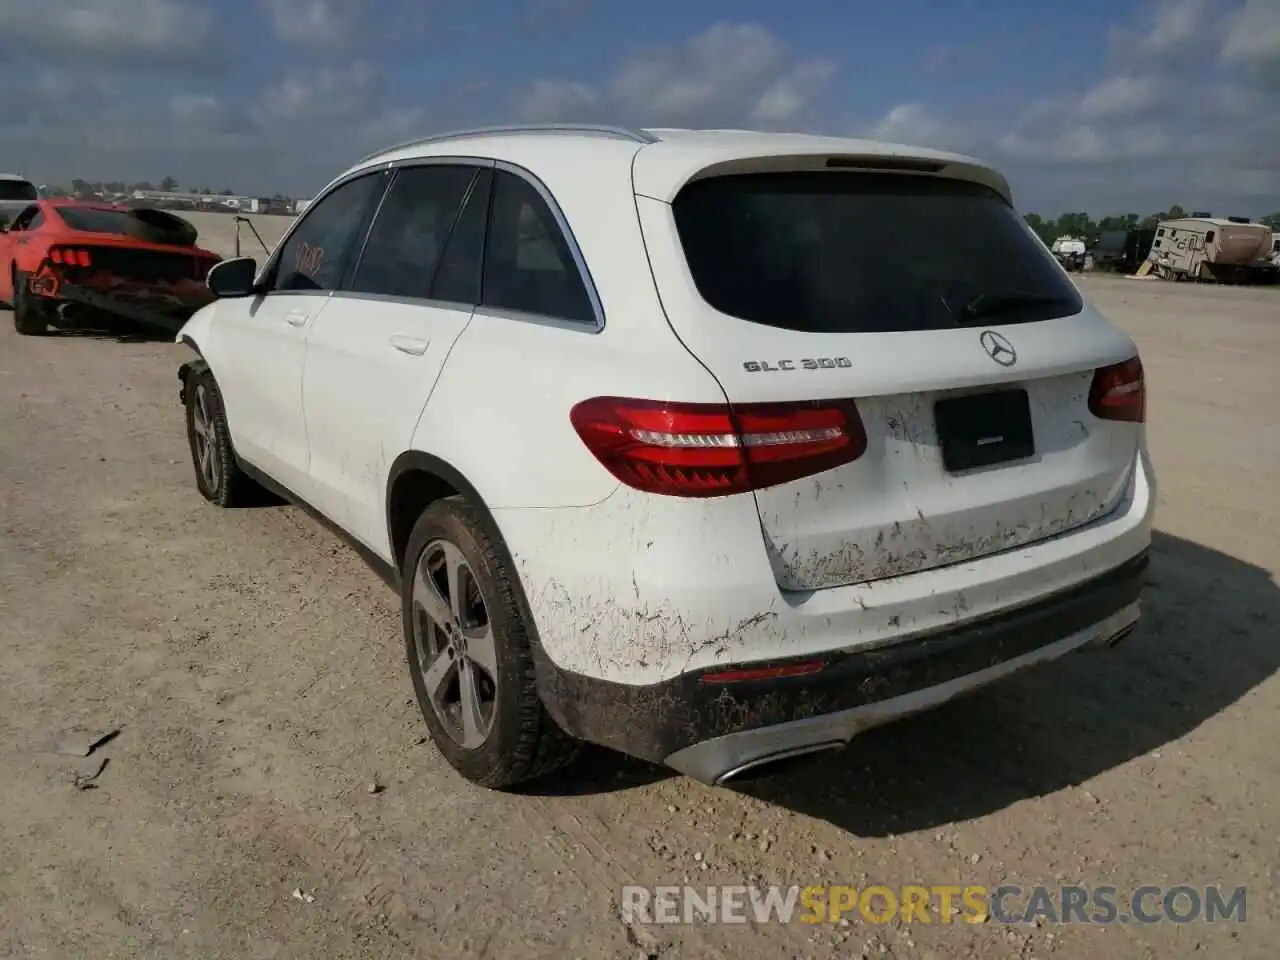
[775, 763]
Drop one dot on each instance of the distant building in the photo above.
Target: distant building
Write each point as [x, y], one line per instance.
[183, 198]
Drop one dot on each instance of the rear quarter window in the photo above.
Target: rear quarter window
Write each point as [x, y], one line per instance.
[859, 252]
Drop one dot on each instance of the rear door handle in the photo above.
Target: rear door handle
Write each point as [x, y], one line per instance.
[297, 318]
[414, 346]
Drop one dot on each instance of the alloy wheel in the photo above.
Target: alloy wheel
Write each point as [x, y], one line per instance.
[202, 425]
[454, 644]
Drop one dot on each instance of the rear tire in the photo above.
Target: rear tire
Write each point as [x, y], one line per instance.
[28, 311]
[469, 658]
[218, 477]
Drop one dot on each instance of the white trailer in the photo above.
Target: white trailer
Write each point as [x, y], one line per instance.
[1210, 248]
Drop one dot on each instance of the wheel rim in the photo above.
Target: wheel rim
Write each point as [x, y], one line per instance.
[202, 426]
[454, 644]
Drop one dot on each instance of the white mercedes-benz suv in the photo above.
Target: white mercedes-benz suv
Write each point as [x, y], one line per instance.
[713, 447]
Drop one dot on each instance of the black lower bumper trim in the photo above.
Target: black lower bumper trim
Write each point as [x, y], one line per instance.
[653, 722]
[170, 321]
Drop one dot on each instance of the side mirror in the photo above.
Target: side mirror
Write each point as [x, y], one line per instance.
[233, 278]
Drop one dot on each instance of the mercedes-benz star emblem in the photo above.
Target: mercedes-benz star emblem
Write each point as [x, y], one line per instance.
[998, 348]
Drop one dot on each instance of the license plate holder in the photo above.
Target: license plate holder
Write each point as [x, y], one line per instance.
[984, 429]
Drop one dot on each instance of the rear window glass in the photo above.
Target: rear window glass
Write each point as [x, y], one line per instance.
[848, 253]
[96, 221]
[17, 190]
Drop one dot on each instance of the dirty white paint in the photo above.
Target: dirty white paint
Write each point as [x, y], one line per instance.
[896, 510]
[638, 589]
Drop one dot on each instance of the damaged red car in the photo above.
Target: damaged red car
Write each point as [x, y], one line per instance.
[71, 263]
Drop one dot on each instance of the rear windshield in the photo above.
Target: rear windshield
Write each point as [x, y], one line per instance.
[96, 221]
[17, 190]
[859, 252]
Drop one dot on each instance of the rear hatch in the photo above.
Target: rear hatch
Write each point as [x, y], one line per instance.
[970, 357]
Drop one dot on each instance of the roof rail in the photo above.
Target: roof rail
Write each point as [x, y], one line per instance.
[620, 133]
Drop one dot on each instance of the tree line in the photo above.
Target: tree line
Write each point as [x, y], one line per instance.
[1084, 227]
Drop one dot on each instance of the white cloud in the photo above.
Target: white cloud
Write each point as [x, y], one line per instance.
[728, 74]
[116, 29]
[546, 100]
[1087, 144]
[1121, 96]
[1185, 113]
[788, 97]
[912, 124]
[1176, 27]
[324, 93]
[1253, 39]
[314, 23]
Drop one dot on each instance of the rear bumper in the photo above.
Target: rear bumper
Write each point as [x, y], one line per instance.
[715, 731]
[131, 308]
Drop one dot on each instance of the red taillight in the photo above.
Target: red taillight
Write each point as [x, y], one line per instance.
[1119, 392]
[70, 257]
[711, 450]
[765, 673]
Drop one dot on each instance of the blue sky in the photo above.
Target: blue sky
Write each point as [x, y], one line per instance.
[1091, 105]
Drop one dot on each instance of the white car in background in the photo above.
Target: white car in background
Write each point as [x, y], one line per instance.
[16, 194]
[714, 447]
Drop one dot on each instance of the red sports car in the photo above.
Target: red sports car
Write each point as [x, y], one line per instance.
[64, 261]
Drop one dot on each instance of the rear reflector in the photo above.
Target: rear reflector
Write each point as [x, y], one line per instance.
[712, 450]
[765, 673]
[1119, 392]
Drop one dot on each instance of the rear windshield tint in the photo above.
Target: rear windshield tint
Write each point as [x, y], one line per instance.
[92, 220]
[858, 252]
[17, 190]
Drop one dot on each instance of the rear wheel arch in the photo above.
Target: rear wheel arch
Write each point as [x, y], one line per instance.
[415, 481]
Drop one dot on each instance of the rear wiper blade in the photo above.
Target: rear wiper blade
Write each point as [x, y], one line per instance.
[989, 304]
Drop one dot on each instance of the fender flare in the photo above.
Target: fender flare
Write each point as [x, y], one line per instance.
[186, 371]
[416, 460]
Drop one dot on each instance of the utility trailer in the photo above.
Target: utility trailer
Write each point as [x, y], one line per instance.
[1210, 249]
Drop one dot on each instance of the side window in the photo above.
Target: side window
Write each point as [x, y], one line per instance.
[28, 219]
[1208, 237]
[528, 266]
[458, 276]
[410, 231]
[314, 256]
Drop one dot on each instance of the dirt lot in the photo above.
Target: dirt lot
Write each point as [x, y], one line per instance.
[254, 669]
[218, 232]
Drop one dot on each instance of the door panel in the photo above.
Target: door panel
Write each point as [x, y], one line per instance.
[371, 365]
[374, 355]
[264, 342]
[264, 338]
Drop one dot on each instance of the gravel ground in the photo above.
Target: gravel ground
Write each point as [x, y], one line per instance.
[268, 743]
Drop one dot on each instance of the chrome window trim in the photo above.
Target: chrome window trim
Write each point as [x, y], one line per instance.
[498, 313]
[575, 251]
